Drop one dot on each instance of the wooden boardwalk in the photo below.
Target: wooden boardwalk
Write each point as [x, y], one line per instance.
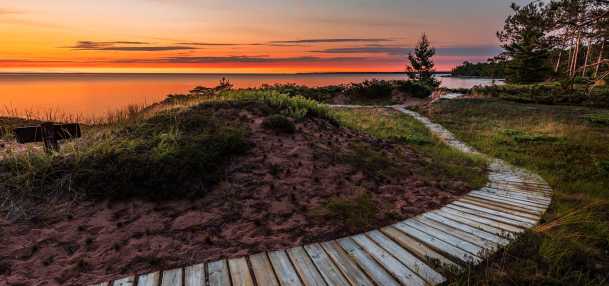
[411, 252]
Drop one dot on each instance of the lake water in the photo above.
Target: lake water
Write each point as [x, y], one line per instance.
[94, 95]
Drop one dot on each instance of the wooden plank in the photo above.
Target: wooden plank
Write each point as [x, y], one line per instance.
[325, 265]
[218, 273]
[346, 265]
[518, 189]
[505, 205]
[286, 274]
[507, 228]
[194, 275]
[448, 238]
[467, 228]
[476, 240]
[263, 271]
[240, 272]
[98, 284]
[305, 267]
[531, 196]
[541, 207]
[172, 277]
[502, 213]
[494, 217]
[367, 264]
[397, 269]
[421, 250]
[128, 281]
[438, 244]
[408, 259]
[515, 195]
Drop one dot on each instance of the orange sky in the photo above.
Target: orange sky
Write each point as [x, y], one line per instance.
[266, 37]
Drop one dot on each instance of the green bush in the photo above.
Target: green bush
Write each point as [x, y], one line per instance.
[279, 123]
[371, 89]
[414, 88]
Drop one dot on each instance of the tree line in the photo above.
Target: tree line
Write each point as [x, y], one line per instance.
[556, 40]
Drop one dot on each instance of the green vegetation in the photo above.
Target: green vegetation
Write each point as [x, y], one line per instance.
[491, 69]
[175, 152]
[571, 153]
[279, 123]
[546, 93]
[402, 128]
[353, 212]
[421, 66]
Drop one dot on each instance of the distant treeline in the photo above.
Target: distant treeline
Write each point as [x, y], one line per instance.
[489, 69]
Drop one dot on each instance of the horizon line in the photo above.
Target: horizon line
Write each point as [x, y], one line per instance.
[204, 73]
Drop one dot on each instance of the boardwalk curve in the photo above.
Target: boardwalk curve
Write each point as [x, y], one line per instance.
[411, 252]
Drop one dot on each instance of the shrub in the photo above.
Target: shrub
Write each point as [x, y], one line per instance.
[279, 123]
[414, 88]
[371, 89]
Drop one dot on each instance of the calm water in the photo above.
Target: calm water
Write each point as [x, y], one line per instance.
[93, 95]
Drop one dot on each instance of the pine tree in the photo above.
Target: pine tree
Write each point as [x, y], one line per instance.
[421, 63]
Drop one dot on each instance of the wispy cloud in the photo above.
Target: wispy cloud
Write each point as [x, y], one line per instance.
[372, 49]
[128, 46]
[206, 44]
[480, 50]
[241, 59]
[333, 40]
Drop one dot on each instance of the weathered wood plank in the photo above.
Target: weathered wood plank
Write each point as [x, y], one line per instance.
[438, 244]
[98, 284]
[286, 274]
[502, 213]
[367, 263]
[490, 236]
[128, 281]
[476, 240]
[150, 279]
[390, 263]
[421, 250]
[515, 195]
[487, 215]
[218, 273]
[172, 277]
[540, 207]
[448, 238]
[305, 267]
[194, 275]
[325, 265]
[507, 228]
[263, 271]
[346, 265]
[407, 258]
[505, 205]
[240, 272]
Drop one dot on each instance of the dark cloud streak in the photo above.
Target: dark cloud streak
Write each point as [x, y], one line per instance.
[127, 46]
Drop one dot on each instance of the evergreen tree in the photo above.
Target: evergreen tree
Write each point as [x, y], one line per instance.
[421, 63]
[525, 44]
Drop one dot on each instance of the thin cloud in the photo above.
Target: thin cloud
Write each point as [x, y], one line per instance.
[206, 44]
[127, 46]
[481, 50]
[333, 40]
[241, 59]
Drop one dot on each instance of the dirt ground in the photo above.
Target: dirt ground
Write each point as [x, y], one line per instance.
[274, 197]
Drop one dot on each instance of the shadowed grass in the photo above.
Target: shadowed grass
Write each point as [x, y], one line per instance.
[571, 246]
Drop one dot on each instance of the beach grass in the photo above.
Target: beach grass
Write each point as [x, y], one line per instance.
[570, 151]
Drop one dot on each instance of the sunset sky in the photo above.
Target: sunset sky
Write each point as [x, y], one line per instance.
[241, 36]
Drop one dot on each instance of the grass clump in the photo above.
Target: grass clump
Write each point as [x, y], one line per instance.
[599, 118]
[570, 246]
[279, 123]
[354, 212]
[374, 163]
